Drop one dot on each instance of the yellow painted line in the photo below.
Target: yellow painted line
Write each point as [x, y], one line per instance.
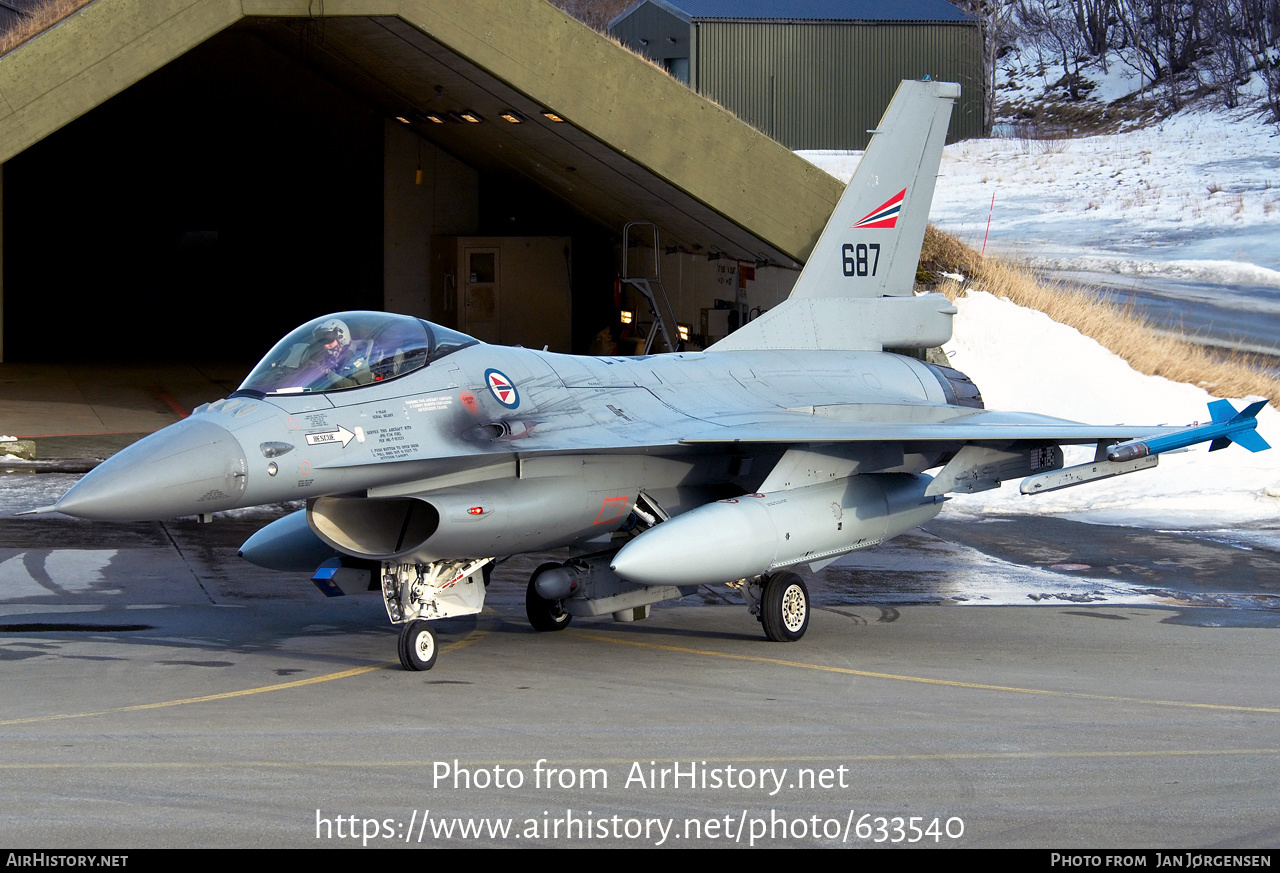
[953, 683]
[714, 760]
[472, 638]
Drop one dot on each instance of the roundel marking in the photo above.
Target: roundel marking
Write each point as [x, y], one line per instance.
[503, 389]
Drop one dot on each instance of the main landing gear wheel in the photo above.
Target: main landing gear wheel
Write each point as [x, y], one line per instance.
[544, 615]
[784, 609]
[417, 646]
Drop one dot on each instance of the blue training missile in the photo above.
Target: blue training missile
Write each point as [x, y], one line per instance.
[1227, 427]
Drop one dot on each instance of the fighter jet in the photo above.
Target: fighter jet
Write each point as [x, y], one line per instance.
[424, 455]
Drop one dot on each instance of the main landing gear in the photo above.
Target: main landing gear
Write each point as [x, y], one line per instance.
[585, 586]
[780, 602]
[544, 615]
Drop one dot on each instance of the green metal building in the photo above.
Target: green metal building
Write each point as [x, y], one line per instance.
[812, 74]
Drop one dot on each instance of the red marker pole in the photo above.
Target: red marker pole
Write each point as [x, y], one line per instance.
[988, 233]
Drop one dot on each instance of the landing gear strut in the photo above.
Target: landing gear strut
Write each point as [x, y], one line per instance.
[413, 593]
[544, 615]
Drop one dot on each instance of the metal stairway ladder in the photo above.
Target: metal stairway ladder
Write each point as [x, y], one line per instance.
[649, 284]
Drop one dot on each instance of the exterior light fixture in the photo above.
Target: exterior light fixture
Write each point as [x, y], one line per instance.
[512, 116]
[472, 117]
[683, 330]
[551, 116]
[627, 315]
[402, 119]
[434, 117]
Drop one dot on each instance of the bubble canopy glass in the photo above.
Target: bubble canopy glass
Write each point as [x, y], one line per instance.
[349, 350]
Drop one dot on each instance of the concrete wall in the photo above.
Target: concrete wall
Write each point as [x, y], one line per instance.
[112, 46]
[634, 107]
[444, 203]
[527, 302]
[693, 282]
[93, 55]
[1, 263]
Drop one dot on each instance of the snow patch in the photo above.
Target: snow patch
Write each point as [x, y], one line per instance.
[1023, 360]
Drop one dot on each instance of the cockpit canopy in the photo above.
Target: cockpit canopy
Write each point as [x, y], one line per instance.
[351, 349]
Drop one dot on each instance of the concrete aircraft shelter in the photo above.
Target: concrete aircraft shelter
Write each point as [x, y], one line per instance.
[193, 178]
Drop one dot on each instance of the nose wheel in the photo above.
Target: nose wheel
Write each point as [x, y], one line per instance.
[417, 646]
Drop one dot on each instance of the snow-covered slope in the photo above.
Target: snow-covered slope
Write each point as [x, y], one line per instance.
[1198, 197]
[1024, 360]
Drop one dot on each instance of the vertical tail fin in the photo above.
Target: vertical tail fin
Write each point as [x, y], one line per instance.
[871, 245]
[870, 248]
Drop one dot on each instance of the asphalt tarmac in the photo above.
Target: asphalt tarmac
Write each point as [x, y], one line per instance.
[159, 691]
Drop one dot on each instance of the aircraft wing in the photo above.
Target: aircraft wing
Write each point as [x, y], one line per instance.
[980, 426]
[991, 446]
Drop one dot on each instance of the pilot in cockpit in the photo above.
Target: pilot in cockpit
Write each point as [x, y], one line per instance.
[335, 352]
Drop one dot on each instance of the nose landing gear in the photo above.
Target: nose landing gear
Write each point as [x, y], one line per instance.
[414, 593]
[417, 646]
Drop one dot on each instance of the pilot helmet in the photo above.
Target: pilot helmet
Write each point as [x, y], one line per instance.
[329, 330]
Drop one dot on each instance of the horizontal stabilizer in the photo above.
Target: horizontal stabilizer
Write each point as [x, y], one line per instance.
[848, 324]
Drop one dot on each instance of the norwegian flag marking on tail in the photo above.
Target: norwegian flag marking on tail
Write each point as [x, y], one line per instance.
[884, 215]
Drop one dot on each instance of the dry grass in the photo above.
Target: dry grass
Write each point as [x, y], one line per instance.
[40, 18]
[1044, 118]
[1115, 327]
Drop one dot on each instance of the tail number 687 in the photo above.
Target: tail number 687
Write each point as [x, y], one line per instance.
[862, 259]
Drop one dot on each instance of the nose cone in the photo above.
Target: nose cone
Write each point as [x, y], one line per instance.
[190, 467]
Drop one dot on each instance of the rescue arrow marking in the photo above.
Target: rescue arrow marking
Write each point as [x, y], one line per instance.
[329, 437]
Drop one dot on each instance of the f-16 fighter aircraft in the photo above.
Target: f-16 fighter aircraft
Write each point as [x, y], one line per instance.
[424, 455]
